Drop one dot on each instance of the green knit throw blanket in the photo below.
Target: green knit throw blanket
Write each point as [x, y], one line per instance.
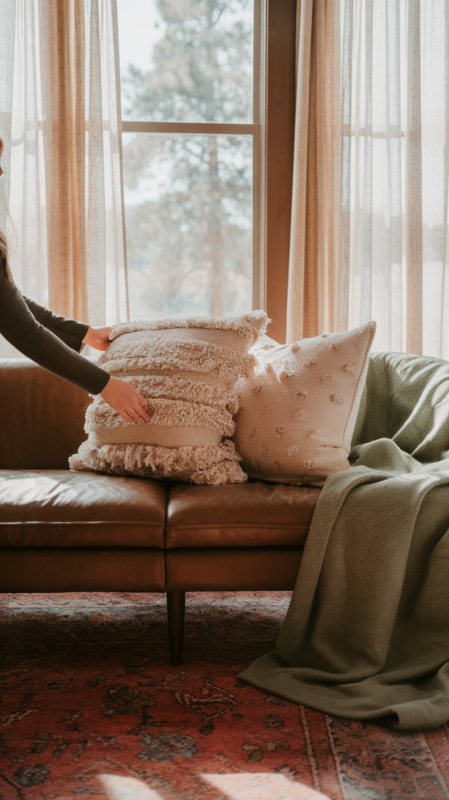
[367, 632]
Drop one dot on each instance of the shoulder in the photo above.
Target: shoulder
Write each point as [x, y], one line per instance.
[8, 287]
[9, 294]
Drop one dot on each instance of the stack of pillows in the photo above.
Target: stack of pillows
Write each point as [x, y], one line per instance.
[227, 402]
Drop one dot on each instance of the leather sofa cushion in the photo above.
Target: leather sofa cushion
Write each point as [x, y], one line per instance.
[254, 514]
[59, 508]
[41, 417]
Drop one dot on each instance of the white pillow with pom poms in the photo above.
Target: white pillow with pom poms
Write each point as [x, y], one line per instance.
[298, 408]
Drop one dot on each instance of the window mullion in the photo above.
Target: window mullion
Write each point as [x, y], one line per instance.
[259, 260]
[217, 128]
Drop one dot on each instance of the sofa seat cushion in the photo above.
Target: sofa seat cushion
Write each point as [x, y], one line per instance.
[59, 508]
[256, 514]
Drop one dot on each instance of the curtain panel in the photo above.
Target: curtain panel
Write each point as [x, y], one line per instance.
[7, 20]
[61, 121]
[369, 234]
[314, 268]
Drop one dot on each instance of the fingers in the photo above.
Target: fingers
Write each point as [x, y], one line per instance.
[98, 338]
[142, 413]
[144, 409]
[140, 407]
[142, 402]
[105, 342]
[132, 415]
[126, 401]
[136, 412]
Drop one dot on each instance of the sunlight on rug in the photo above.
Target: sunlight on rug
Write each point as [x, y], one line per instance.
[90, 706]
[247, 785]
[123, 788]
[242, 786]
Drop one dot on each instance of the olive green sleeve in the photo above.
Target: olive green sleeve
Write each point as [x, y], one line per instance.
[48, 339]
[69, 331]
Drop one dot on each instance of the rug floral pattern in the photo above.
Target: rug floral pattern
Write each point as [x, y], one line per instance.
[90, 707]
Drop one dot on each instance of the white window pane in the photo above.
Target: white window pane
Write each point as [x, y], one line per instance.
[186, 60]
[188, 201]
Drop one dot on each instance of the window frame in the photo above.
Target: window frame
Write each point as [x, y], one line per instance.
[280, 105]
[255, 129]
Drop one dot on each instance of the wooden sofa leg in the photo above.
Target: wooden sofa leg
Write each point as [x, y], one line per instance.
[176, 603]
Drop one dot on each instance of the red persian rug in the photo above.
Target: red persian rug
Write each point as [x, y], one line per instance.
[91, 707]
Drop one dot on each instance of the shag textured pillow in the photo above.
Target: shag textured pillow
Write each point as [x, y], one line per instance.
[186, 369]
[298, 408]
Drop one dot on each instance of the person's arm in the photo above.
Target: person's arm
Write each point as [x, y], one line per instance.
[70, 331]
[19, 326]
[73, 333]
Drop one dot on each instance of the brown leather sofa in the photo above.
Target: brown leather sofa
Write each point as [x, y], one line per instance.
[63, 531]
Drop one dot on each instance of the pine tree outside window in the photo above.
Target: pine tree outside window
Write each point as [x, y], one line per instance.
[191, 111]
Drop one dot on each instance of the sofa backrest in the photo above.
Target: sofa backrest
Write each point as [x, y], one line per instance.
[41, 417]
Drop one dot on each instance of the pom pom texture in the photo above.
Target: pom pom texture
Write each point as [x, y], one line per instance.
[186, 369]
[298, 411]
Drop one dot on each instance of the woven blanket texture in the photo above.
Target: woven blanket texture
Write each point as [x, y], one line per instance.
[366, 635]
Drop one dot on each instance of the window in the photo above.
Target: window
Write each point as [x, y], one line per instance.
[191, 85]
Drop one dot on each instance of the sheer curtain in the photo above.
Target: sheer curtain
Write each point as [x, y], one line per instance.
[376, 209]
[61, 121]
[7, 18]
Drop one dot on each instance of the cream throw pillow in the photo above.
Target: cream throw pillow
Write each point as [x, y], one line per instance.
[298, 409]
[186, 369]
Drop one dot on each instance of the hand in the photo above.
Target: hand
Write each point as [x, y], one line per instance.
[98, 338]
[126, 400]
